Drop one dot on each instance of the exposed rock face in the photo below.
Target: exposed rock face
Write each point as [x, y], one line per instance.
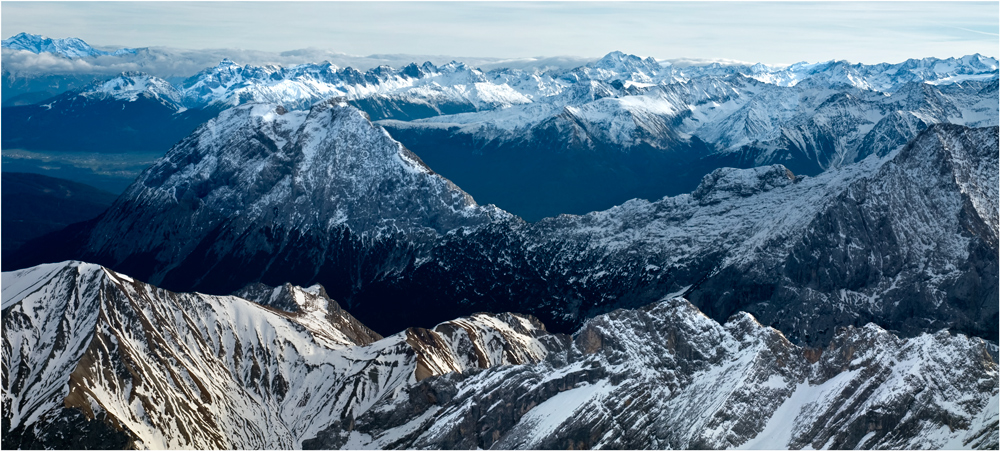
[97, 356]
[897, 241]
[915, 236]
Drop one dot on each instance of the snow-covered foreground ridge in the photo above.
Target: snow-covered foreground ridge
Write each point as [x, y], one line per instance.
[94, 356]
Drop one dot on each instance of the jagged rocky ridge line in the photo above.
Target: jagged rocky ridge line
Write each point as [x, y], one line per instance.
[908, 241]
[91, 356]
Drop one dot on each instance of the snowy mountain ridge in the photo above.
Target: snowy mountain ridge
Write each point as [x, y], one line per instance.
[130, 85]
[300, 85]
[209, 371]
[161, 369]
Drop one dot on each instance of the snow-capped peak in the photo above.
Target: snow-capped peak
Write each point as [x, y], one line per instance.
[130, 85]
[68, 47]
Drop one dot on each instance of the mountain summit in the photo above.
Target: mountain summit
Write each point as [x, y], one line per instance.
[282, 194]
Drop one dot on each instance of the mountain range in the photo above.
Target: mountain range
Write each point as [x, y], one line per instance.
[907, 241]
[97, 358]
[541, 143]
[621, 254]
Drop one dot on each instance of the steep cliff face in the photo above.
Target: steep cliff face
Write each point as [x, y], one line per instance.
[917, 235]
[91, 356]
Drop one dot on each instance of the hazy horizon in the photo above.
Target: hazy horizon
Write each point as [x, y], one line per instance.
[773, 33]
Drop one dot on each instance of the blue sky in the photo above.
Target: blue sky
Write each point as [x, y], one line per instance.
[776, 32]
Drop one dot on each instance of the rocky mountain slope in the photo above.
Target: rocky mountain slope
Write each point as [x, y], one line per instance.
[665, 376]
[898, 241]
[908, 241]
[325, 185]
[92, 357]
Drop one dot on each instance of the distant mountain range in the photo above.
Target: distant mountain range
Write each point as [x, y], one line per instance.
[129, 113]
[542, 143]
[67, 47]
